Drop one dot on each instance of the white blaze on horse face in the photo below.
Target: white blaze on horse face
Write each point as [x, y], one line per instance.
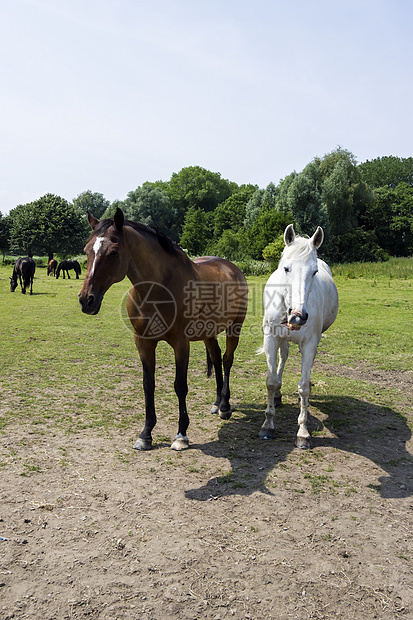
[299, 278]
[96, 248]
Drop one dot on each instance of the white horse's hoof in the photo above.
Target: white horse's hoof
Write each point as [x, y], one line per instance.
[304, 443]
[142, 444]
[267, 433]
[225, 415]
[214, 409]
[180, 443]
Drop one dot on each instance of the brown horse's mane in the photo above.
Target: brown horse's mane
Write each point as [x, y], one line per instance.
[164, 241]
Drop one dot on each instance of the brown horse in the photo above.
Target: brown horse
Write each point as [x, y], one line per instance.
[173, 299]
[51, 267]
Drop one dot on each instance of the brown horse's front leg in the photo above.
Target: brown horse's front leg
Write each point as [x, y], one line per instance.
[181, 441]
[146, 349]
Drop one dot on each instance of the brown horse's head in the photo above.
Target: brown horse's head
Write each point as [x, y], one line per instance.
[107, 260]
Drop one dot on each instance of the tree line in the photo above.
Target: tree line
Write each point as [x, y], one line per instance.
[366, 211]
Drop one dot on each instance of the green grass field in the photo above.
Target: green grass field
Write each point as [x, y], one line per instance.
[63, 369]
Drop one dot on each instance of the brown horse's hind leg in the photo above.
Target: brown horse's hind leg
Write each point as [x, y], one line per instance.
[225, 410]
[146, 350]
[216, 359]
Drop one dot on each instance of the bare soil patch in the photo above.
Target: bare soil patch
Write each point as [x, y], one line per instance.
[234, 527]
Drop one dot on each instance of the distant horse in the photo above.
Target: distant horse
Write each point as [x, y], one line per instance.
[173, 299]
[23, 269]
[300, 302]
[65, 266]
[51, 267]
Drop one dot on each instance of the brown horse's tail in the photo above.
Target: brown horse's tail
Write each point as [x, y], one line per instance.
[209, 364]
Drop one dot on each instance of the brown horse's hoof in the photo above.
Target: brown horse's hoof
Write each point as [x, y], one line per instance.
[225, 415]
[214, 409]
[180, 443]
[142, 444]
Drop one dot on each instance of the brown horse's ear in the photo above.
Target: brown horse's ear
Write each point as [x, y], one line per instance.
[289, 234]
[119, 219]
[92, 220]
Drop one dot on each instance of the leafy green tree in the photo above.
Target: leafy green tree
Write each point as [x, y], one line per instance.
[4, 234]
[260, 199]
[282, 198]
[195, 232]
[232, 245]
[336, 196]
[253, 207]
[390, 216]
[357, 245]
[199, 188]
[268, 225]
[150, 205]
[91, 201]
[111, 209]
[305, 203]
[327, 164]
[272, 252]
[47, 225]
[270, 196]
[230, 214]
[387, 171]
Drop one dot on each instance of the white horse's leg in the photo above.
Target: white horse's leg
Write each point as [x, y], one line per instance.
[308, 353]
[274, 380]
[283, 356]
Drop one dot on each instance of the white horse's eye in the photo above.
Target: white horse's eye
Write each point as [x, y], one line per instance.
[316, 271]
[286, 269]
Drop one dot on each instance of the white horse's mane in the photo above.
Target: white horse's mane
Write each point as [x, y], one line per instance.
[300, 248]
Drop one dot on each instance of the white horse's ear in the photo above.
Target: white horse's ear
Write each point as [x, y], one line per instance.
[289, 234]
[119, 219]
[92, 220]
[318, 237]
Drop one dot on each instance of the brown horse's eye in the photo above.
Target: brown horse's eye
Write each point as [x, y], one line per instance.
[114, 253]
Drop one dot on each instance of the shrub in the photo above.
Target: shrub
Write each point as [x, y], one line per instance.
[251, 267]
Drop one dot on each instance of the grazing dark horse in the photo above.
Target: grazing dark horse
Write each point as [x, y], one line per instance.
[23, 269]
[51, 267]
[65, 266]
[172, 298]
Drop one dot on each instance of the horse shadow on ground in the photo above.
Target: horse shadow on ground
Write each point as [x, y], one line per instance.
[348, 424]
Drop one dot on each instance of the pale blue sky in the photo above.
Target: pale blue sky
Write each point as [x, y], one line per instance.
[107, 94]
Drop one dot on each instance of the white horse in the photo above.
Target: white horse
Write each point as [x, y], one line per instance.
[300, 302]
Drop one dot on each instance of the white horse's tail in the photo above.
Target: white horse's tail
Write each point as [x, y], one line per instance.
[260, 350]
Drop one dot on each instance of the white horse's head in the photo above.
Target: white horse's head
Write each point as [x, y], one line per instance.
[297, 268]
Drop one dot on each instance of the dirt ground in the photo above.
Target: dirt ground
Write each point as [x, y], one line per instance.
[234, 527]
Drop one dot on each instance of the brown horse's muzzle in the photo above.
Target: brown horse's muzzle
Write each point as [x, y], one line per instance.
[90, 304]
